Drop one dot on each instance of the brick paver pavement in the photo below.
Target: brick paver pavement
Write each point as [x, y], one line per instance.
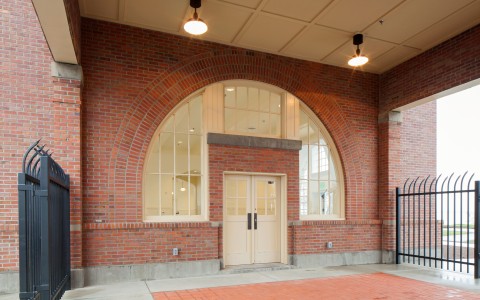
[366, 286]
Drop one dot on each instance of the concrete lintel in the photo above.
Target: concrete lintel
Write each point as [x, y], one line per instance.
[253, 141]
[390, 117]
[67, 71]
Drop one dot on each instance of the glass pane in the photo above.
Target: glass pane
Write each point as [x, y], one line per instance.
[335, 198]
[324, 163]
[261, 209]
[275, 103]
[152, 195]
[324, 197]
[303, 123]
[253, 99]
[303, 197]
[264, 101]
[271, 207]
[195, 195]
[153, 163]
[181, 196]
[303, 163]
[242, 123]
[264, 123]
[195, 154]
[181, 119]
[313, 159]
[252, 122]
[313, 197]
[275, 125]
[242, 188]
[167, 195]
[168, 126]
[322, 141]
[231, 208]
[261, 189]
[333, 174]
[242, 100]
[313, 134]
[230, 186]
[166, 150]
[229, 119]
[241, 206]
[230, 96]
[271, 189]
[195, 112]
[181, 153]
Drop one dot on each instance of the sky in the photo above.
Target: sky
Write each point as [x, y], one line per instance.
[458, 133]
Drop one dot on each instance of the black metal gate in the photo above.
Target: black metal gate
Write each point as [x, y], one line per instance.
[437, 223]
[44, 226]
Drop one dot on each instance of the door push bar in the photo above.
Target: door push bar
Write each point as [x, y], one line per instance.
[249, 221]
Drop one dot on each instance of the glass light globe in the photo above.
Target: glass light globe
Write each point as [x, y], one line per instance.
[357, 61]
[195, 26]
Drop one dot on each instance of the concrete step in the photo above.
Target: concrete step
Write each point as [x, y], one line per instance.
[255, 268]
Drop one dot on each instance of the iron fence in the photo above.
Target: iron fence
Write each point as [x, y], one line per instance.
[44, 226]
[437, 223]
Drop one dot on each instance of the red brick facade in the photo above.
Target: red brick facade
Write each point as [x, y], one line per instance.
[135, 77]
[125, 103]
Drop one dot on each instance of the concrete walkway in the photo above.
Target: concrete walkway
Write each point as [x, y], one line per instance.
[461, 285]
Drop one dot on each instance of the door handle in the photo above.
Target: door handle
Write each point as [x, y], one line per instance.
[255, 221]
[249, 221]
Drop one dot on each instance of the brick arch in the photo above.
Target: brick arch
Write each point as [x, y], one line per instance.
[154, 103]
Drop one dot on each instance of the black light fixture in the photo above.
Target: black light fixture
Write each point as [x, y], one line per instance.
[358, 59]
[195, 25]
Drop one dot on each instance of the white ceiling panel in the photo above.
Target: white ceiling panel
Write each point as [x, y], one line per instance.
[269, 33]
[316, 30]
[447, 28]
[391, 58]
[245, 3]
[165, 14]
[317, 42]
[354, 15]
[224, 21]
[412, 17]
[301, 10]
[105, 9]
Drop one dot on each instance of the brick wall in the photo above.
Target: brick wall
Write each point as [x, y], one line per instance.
[72, 8]
[445, 66]
[33, 105]
[135, 77]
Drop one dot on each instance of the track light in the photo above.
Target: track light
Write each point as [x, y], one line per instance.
[358, 59]
[195, 25]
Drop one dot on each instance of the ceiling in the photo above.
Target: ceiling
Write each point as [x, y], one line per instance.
[315, 30]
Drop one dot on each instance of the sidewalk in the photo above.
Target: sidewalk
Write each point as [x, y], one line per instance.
[377, 281]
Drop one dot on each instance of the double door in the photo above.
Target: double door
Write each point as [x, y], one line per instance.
[251, 232]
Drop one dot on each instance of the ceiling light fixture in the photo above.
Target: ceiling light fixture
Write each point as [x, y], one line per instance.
[358, 59]
[195, 25]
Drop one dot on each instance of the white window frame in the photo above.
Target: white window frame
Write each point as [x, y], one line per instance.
[204, 216]
[338, 168]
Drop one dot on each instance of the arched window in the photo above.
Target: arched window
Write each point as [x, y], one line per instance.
[321, 187]
[175, 178]
[173, 171]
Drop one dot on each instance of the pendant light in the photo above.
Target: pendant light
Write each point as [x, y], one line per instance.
[358, 59]
[195, 25]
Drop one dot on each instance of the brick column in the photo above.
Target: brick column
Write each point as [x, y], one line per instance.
[390, 171]
[67, 82]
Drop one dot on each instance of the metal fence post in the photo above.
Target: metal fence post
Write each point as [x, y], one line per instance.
[44, 288]
[398, 226]
[477, 231]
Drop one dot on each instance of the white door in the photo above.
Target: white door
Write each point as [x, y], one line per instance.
[251, 232]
